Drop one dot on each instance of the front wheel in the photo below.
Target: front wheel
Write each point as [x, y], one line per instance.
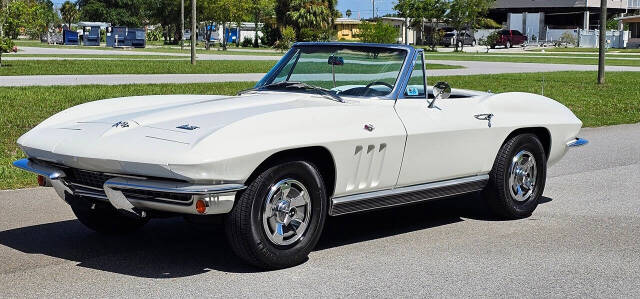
[517, 179]
[508, 45]
[278, 219]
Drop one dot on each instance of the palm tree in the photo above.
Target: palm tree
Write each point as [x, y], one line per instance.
[348, 13]
[69, 12]
[310, 14]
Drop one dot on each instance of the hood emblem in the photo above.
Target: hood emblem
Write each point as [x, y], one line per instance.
[188, 127]
[121, 124]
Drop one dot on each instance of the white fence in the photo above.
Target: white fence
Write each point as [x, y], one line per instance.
[615, 38]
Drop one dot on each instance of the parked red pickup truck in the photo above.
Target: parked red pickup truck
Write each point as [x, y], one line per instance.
[510, 38]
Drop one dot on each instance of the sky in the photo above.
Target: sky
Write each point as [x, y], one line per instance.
[362, 6]
[365, 8]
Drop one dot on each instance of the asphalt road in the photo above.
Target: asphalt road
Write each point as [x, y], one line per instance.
[583, 241]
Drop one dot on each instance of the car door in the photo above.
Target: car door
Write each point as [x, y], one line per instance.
[443, 142]
[518, 38]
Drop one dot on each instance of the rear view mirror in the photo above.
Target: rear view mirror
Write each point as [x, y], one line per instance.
[336, 60]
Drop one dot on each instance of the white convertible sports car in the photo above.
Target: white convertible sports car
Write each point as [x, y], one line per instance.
[333, 128]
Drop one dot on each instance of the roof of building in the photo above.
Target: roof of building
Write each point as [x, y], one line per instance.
[630, 19]
[346, 21]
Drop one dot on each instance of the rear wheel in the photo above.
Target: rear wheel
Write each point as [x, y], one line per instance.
[517, 179]
[104, 218]
[278, 219]
[508, 45]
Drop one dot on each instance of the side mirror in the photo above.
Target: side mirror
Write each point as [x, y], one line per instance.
[441, 90]
[336, 60]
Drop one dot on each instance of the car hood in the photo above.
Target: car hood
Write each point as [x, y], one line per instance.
[151, 128]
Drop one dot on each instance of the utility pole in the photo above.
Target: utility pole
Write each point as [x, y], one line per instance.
[182, 25]
[194, 31]
[603, 40]
[373, 3]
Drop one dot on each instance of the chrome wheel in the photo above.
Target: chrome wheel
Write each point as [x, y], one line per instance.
[522, 176]
[287, 212]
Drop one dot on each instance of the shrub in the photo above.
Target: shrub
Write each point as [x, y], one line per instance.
[287, 36]
[6, 46]
[378, 32]
[247, 42]
[567, 39]
[156, 34]
[490, 40]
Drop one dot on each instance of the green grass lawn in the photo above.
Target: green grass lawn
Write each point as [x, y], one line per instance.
[153, 66]
[91, 67]
[594, 50]
[159, 56]
[616, 102]
[527, 58]
[156, 49]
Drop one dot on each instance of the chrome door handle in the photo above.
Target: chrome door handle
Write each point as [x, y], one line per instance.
[485, 116]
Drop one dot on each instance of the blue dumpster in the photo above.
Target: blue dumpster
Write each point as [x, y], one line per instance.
[232, 35]
[91, 36]
[136, 37]
[116, 36]
[70, 37]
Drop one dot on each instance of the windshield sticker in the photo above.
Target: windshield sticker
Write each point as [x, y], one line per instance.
[412, 91]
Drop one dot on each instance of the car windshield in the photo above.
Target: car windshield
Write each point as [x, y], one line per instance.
[342, 71]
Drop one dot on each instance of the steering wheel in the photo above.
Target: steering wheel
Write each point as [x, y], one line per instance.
[368, 87]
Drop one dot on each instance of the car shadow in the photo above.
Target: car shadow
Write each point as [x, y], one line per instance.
[171, 247]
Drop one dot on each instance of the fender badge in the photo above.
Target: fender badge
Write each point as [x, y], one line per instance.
[188, 127]
[121, 124]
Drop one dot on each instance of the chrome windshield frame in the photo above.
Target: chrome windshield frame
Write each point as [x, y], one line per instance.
[401, 80]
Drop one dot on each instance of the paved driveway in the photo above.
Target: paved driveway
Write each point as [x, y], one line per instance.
[583, 241]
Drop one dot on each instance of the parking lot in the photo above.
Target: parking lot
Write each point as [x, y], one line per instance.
[582, 241]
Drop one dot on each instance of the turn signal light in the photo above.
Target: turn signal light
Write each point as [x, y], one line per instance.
[42, 181]
[201, 207]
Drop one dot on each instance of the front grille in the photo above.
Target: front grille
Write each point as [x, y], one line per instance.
[86, 178]
[91, 184]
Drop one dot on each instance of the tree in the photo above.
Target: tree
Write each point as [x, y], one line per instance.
[222, 12]
[420, 10]
[69, 12]
[6, 46]
[490, 41]
[466, 14]
[316, 17]
[32, 16]
[348, 13]
[130, 13]
[167, 14]
[378, 32]
[260, 9]
[309, 14]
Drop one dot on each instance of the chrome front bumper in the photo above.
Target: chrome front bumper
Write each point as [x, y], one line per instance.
[134, 195]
